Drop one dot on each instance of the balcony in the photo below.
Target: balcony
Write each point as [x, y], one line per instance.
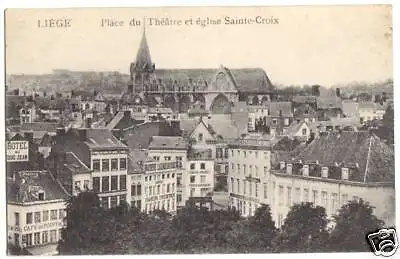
[253, 178]
[157, 166]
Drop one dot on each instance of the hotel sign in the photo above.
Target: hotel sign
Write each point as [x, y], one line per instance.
[17, 151]
[160, 197]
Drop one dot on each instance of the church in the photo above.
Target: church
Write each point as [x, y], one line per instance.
[211, 89]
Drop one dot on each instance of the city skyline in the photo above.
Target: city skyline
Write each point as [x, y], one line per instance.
[362, 52]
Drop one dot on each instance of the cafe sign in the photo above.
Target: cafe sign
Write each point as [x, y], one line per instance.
[37, 227]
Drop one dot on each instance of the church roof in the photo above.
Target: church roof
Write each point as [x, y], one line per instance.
[143, 59]
[250, 80]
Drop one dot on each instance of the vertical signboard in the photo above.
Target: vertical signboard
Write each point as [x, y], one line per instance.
[17, 151]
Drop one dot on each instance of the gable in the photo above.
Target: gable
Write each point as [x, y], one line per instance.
[203, 130]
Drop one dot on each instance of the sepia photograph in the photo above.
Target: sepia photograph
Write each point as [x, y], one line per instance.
[199, 130]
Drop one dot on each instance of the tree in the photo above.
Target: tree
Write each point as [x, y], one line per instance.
[353, 222]
[304, 230]
[338, 92]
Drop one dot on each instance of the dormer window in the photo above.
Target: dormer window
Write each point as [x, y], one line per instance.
[41, 196]
[324, 172]
[289, 168]
[345, 173]
[200, 136]
[306, 170]
[282, 165]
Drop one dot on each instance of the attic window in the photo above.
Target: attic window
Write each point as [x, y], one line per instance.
[41, 196]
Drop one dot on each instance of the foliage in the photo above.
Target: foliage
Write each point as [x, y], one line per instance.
[304, 230]
[124, 230]
[354, 221]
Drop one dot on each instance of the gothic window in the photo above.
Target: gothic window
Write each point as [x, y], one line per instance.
[220, 82]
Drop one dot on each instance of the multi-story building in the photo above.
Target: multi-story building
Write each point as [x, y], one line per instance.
[35, 211]
[28, 114]
[249, 173]
[199, 177]
[159, 183]
[171, 149]
[333, 169]
[100, 152]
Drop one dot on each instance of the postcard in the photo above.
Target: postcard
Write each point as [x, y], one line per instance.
[200, 130]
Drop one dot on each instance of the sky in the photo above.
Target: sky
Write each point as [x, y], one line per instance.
[325, 45]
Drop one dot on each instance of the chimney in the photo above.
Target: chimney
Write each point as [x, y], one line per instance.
[60, 130]
[28, 135]
[282, 165]
[289, 168]
[82, 134]
[345, 173]
[324, 172]
[306, 170]
[88, 123]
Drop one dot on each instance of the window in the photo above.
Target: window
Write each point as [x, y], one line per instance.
[265, 155]
[45, 215]
[77, 185]
[304, 132]
[238, 185]
[192, 179]
[280, 194]
[280, 220]
[244, 154]
[265, 170]
[158, 189]
[86, 184]
[37, 217]
[334, 202]
[113, 201]
[96, 165]
[157, 158]
[41, 196]
[345, 198]
[256, 190]
[315, 198]
[96, 184]
[256, 170]
[324, 199]
[45, 237]
[29, 218]
[61, 214]
[114, 182]
[286, 122]
[27, 240]
[122, 182]
[202, 179]
[53, 234]
[105, 184]
[256, 154]
[168, 188]
[192, 166]
[244, 187]
[105, 165]
[114, 164]
[16, 216]
[238, 168]
[200, 136]
[163, 176]
[203, 192]
[250, 188]
[104, 202]
[122, 163]
[53, 215]
[274, 121]
[173, 187]
[36, 238]
[133, 190]
[167, 158]
[192, 190]
[244, 169]
[251, 169]
[202, 166]
[265, 191]
[297, 194]
[305, 195]
[232, 184]
[289, 196]
[232, 153]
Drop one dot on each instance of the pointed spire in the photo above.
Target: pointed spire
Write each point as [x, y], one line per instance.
[143, 59]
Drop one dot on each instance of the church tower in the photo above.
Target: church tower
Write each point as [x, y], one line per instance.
[142, 70]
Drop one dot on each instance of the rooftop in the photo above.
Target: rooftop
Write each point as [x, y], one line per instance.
[28, 184]
[168, 142]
